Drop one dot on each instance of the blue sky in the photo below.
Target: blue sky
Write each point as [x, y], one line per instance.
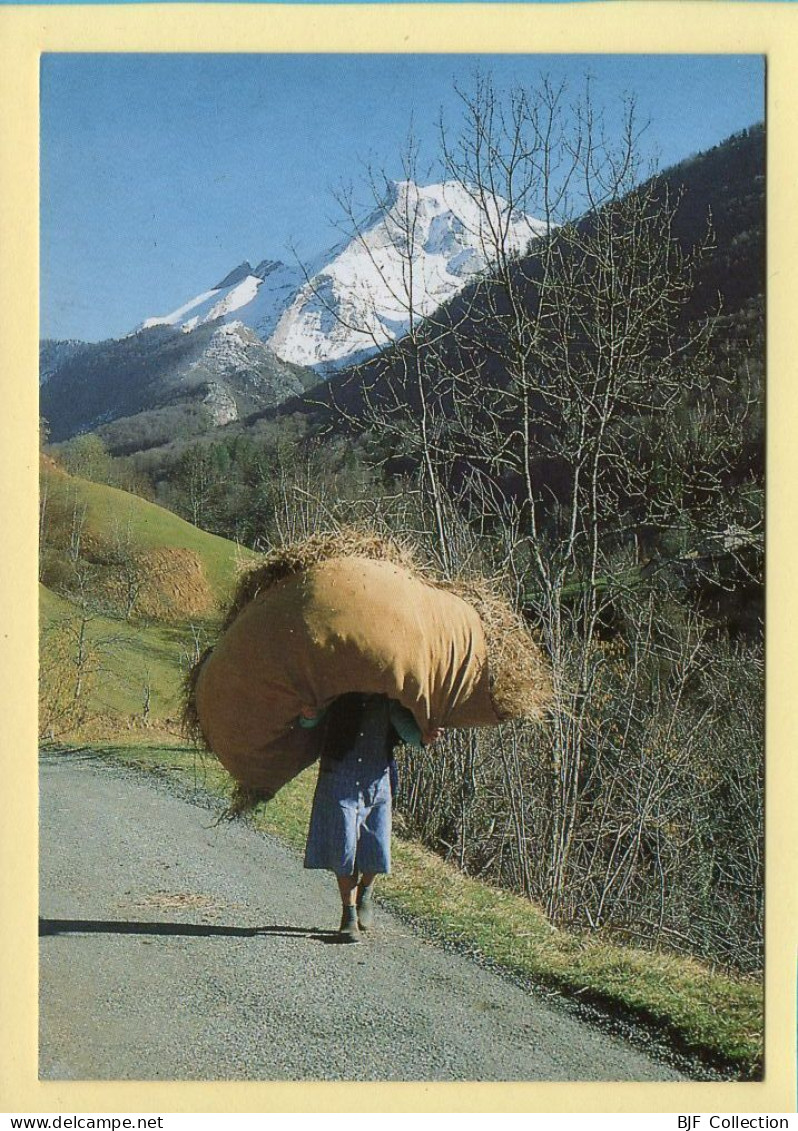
[160, 173]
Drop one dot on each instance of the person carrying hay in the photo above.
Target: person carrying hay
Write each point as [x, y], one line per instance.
[348, 632]
[350, 822]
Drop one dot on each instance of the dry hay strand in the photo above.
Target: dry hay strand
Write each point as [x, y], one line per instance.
[520, 676]
[284, 561]
[244, 800]
[189, 719]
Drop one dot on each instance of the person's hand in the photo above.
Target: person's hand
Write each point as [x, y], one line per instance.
[430, 736]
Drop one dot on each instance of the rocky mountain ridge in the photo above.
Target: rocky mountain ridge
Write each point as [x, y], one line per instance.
[161, 382]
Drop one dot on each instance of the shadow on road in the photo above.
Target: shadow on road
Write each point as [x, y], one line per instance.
[204, 930]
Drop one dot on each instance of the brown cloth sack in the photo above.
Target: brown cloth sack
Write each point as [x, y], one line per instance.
[343, 624]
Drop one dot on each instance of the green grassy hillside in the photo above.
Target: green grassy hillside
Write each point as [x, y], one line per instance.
[132, 659]
[151, 526]
[129, 593]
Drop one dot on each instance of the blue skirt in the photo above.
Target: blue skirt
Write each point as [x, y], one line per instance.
[350, 823]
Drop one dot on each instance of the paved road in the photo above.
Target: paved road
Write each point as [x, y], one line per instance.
[175, 949]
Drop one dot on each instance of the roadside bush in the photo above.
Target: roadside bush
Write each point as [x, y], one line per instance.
[663, 837]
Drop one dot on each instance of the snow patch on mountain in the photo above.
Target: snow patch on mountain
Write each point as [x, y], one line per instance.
[414, 257]
[240, 295]
[177, 315]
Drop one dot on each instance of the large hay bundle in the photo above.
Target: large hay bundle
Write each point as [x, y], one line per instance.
[353, 612]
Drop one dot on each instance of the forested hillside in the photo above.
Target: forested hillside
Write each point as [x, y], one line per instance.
[159, 384]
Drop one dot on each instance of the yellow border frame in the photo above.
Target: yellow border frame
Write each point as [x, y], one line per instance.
[664, 26]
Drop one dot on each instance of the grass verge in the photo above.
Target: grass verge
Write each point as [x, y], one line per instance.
[707, 1014]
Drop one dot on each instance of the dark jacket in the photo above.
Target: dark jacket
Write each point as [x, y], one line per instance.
[341, 724]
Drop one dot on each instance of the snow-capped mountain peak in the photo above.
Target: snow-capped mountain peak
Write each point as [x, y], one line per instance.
[414, 252]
